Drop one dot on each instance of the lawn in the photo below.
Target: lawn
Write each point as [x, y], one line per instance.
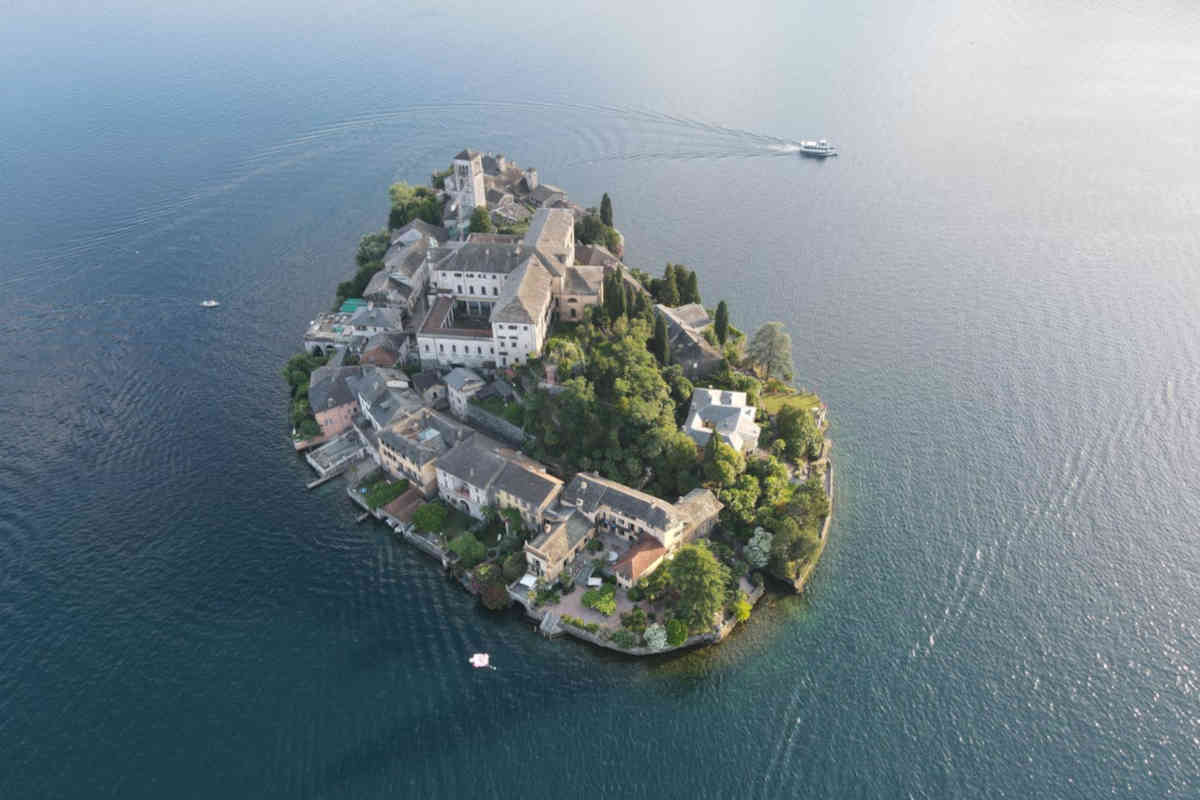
[513, 412]
[803, 400]
[382, 492]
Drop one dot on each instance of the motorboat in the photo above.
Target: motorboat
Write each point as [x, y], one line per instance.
[818, 149]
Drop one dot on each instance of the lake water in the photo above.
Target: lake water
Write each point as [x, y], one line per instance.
[995, 288]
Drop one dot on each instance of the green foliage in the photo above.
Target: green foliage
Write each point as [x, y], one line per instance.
[590, 627]
[689, 285]
[799, 432]
[623, 638]
[438, 179]
[655, 636]
[602, 599]
[660, 345]
[722, 464]
[298, 369]
[792, 547]
[595, 545]
[741, 609]
[634, 621]
[495, 597]
[606, 211]
[382, 492]
[369, 258]
[613, 416]
[566, 354]
[308, 428]
[592, 230]
[741, 499]
[409, 203]
[430, 518]
[469, 549]
[676, 632]
[758, 550]
[721, 322]
[481, 221]
[667, 292]
[698, 581]
[514, 566]
[770, 351]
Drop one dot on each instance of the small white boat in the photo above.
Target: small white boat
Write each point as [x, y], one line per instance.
[210, 304]
[481, 660]
[818, 149]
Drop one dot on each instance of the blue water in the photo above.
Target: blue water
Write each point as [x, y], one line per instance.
[995, 288]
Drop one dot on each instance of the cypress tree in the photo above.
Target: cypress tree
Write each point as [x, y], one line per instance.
[606, 210]
[660, 345]
[670, 288]
[689, 286]
[721, 323]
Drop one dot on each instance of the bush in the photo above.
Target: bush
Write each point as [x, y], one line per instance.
[595, 545]
[602, 599]
[635, 620]
[656, 637]
[495, 597]
[741, 609]
[514, 566]
[635, 593]
[590, 627]
[431, 517]
[623, 638]
[756, 579]
[469, 549]
[676, 632]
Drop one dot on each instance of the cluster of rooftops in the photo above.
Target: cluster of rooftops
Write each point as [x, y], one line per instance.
[462, 304]
[414, 428]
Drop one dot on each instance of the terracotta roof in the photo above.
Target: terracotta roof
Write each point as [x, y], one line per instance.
[640, 559]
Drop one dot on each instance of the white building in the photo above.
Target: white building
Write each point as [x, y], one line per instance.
[726, 414]
[462, 384]
[465, 184]
[495, 298]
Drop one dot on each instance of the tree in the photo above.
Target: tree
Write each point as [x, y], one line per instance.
[799, 432]
[655, 636]
[721, 323]
[771, 351]
[758, 550]
[660, 345]
[676, 632]
[689, 285]
[722, 464]
[741, 608]
[495, 597]
[606, 210]
[469, 549]
[741, 498]
[699, 581]
[430, 518]
[669, 290]
[481, 221]
[514, 566]
[371, 248]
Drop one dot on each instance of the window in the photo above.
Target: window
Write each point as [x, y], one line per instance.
[441, 348]
[460, 288]
[495, 291]
[453, 348]
[472, 288]
[571, 300]
[479, 350]
[427, 347]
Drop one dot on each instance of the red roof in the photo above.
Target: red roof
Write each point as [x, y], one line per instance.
[640, 559]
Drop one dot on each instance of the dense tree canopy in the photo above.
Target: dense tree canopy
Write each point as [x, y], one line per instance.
[606, 211]
[413, 202]
[481, 221]
[698, 581]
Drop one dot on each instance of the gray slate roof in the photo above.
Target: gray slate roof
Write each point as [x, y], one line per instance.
[466, 155]
[424, 228]
[459, 377]
[405, 260]
[531, 487]
[379, 316]
[588, 492]
[333, 390]
[424, 381]
[472, 461]
[526, 294]
[480, 257]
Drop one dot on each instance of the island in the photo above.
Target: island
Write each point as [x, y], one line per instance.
[558, 429]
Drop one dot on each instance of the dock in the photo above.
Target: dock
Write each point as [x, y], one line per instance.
[324, 479]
